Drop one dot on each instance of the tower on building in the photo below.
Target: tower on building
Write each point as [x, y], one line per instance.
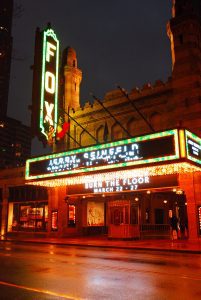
[184, 31]
[72, 79]
[6, 14]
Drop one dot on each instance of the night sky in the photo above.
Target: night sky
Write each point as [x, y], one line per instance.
[116, 41]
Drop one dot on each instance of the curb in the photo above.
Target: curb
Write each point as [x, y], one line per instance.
[102, 246]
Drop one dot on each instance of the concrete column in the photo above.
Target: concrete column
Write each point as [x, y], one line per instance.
[62, 211]
[190, 184]
[4, 211]
[52, 205]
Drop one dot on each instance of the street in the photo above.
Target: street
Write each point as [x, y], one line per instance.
[40, 271]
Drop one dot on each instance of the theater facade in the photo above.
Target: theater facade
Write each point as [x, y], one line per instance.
[122, 166]
[125, 189]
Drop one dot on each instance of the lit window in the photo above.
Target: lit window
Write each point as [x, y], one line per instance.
[71, 216]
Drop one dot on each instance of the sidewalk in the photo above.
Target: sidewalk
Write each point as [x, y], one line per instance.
[161, 245]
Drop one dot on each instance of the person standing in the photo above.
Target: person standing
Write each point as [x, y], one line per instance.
[174, 227]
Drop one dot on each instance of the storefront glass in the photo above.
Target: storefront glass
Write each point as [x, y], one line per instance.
[54, 220]
[71, 215]
[29, 216]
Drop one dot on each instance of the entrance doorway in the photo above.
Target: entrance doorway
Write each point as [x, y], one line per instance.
[123, 219]
[159, 216]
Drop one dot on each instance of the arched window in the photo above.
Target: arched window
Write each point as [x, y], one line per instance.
[156, 120]
[100, 134]
[131, 126]
[86, 139]
[116, 132]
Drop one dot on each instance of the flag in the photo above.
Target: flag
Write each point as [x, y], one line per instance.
[50, 135]
[62, 128]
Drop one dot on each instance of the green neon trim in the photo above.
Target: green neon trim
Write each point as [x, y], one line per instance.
[103, 146]
[195, 138]
[49, 32]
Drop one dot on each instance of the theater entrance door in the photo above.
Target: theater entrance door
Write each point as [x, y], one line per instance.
[123, 219]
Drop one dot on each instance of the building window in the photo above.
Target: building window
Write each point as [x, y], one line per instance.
[54, 220]
[117, 216]
[120, 215]
[100, 134]
[116, 132]
[28, 216]
[71, 215]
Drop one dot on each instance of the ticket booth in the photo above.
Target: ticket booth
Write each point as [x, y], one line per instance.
[123, 219]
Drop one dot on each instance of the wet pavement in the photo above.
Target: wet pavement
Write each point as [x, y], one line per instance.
[193, 246]
[49, 271]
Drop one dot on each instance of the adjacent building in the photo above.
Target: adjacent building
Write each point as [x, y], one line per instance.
[15, 143]
[15, 139]
[6, 15]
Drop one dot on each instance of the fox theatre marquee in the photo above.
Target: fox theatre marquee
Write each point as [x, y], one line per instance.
[126, 165]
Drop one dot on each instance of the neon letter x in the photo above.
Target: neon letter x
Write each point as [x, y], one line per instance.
[49, 109]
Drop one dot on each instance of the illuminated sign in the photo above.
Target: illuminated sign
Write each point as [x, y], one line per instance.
[157, 147]
[125, 184]
[117, 185]
[49, 84]
[193, 146]
[199, 219]
[54, 220]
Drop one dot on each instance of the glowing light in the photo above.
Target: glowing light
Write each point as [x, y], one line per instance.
[49, 51]
[182, 143]
[49, 83]
[2, 233]
[117, 185]
[193, 147]
[124, 153]
[179, 192]
[159, 170]
[165, 201]
[49, 109]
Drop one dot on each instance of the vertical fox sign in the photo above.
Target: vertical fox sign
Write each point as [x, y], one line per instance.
[45, 85]
[49, 84]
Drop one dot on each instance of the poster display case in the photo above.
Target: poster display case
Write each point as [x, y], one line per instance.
[30, 216]
[71, 215]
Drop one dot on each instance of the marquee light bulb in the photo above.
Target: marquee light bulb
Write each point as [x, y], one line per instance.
[178, 168]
